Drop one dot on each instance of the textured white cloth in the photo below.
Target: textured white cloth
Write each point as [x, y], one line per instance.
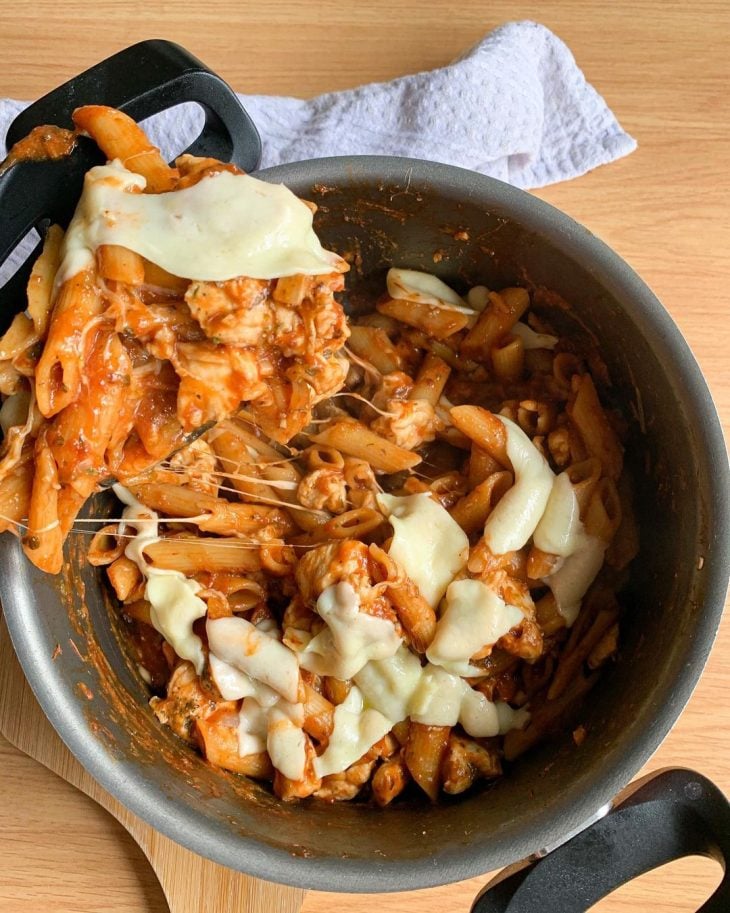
[515, 106]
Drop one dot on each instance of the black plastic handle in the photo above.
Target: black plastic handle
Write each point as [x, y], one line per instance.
[141, 80]
[672, 814]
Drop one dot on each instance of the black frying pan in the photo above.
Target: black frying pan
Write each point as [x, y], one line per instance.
[391, 210]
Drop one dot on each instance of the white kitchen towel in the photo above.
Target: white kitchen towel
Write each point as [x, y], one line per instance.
[516, 106]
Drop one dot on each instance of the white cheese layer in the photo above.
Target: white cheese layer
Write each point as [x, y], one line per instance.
[570, 582]
[437, 698]
[395, 688]
[173, 609]
[224, 226]
[262, 657]
[276, 728]
[174, 605]
[427, 543]
[253, 727]
[267, 722]
[474, 617]
[559, 530]
[389, 684]
[351, 639]
[246, 661]
[531, 339]
[355, 731]
[286, 743]
[424, 288]
[399, 687]
[518, 513]
[234, 684]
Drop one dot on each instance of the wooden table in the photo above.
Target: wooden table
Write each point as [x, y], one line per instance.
[663, 67]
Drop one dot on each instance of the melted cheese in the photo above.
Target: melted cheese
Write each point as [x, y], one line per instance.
[355, 731]
[351, 639]
[571, 581]
[224, 226]
[234, 684]
[173, 609]
[174, 605]
[484, 719]
[427, 543]
[266, 722]
[515, 518]
[146, 525]
[399, 687]
[240, 644]
[253, 727]
[424, 288]
[246, 661]
[389, 684]
[559, 530]
[531, 339]
[286, 743]
[474, 617]
[437, 698]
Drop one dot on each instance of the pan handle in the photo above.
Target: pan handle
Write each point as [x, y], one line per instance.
[672, 814]
[143, 80]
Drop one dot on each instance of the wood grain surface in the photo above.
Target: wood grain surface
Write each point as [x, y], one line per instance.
[664, 68]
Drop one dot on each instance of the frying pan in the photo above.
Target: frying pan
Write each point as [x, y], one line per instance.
[469, 229]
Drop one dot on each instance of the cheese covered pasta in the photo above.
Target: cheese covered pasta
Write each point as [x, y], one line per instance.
[390, 561]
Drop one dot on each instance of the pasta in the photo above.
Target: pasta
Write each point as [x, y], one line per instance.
[387, 562]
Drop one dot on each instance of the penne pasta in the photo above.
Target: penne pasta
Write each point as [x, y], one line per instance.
[424, 754]
[15, 494]
[105, 548]
[124, 576]
[211, 514]
[40, 283]
[437, 322]
[414, 612]
[354, 439]
[318, 714]
[508, 358]
[19, 336]
[603, 513]
[481, 465]
[44, 537]
[484, 429]
[373, 345]
[572, 660]
[59, 371]
[494, 323]
[119, 137]
[190, 555]
[160, 279]
[389, 780]
[471, 511]
[218, 739]
[589, 418]
[431, 379]
[584, 477]
[118, 264]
